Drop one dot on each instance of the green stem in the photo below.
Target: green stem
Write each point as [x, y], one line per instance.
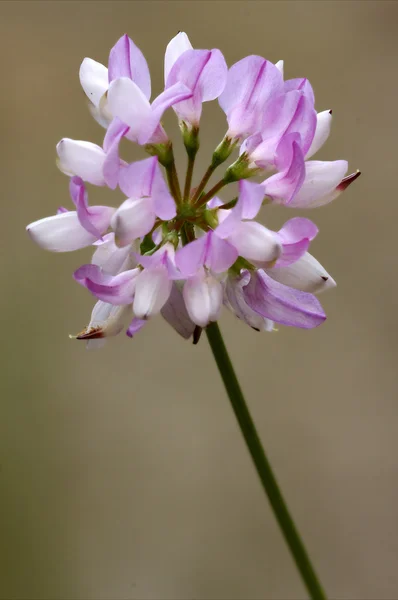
[204, 181]
[188, 178]
[262, 465]
[216, 188]
[172, 179]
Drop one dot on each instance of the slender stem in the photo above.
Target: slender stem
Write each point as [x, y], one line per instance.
[172, 179]
[188, 178]
[216, 188]
[262, 465]
[204, 181]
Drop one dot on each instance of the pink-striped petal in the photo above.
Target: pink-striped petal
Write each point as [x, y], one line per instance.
[235, 301]
[115, 289]
[95, 219]
[281, 303]
[126, 60]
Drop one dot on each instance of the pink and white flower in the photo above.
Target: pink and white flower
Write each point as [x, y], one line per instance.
[186, 255]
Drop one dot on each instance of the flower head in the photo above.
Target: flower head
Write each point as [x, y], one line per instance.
[187, 253]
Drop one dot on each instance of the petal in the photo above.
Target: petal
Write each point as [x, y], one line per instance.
[176, 314]
[281, 303]
[202, 71]
[83, 159]
[250, 84]
[128, 102]
[295, 237]
[153, 288]
[280, 65]
[101, 113]
[106, 320]
[221, 254]
[321, 179]
[170, 96]
[163, 202]
[94, 80]
[110, 257]
[95, 219]
[284, 186]
[117, 289]
[133, 219]
[177, 46]
[251, 196]
[191, 257]
[203, 299]
[60, 233]
[256, 243]
[304, 123]
[135, 326]
[136, 179]
[307, 275]
[302, 85]
[111, 169]
[322, 131]
[235, 301]
[126, 60]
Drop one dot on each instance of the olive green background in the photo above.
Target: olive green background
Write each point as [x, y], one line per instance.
[123, 473]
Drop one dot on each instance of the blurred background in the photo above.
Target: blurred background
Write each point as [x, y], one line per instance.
[123, 474]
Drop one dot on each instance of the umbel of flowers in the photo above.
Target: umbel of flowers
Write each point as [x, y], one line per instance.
[182, 251]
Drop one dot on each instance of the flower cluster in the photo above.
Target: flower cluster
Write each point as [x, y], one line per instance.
[185, 252]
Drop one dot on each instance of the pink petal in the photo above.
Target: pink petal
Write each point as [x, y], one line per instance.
[304, 123]
[111, 169]
[117, 290]
[302, 85]
[95, 219]
[189, 258]
[250, 84]
[202, 71]
[221, 255]
[281, 303]
[235, 301]
[284, 186]
[126, 60]
[251, 196]
[256, 243]
[135, 326]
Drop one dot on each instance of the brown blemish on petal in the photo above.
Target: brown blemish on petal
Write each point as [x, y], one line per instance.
[348, 180]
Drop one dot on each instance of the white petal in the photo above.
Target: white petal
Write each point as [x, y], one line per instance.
[177, 46]
[133, 219]
[323, 125]
[106, 320]
[203, 299]
[307, 275]
[152, 290]
[83, 159]
[110, 257]
[321, 180]
[280, 65]
[255, 242]
[94, 79]
[130, 104]
[60, 233]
